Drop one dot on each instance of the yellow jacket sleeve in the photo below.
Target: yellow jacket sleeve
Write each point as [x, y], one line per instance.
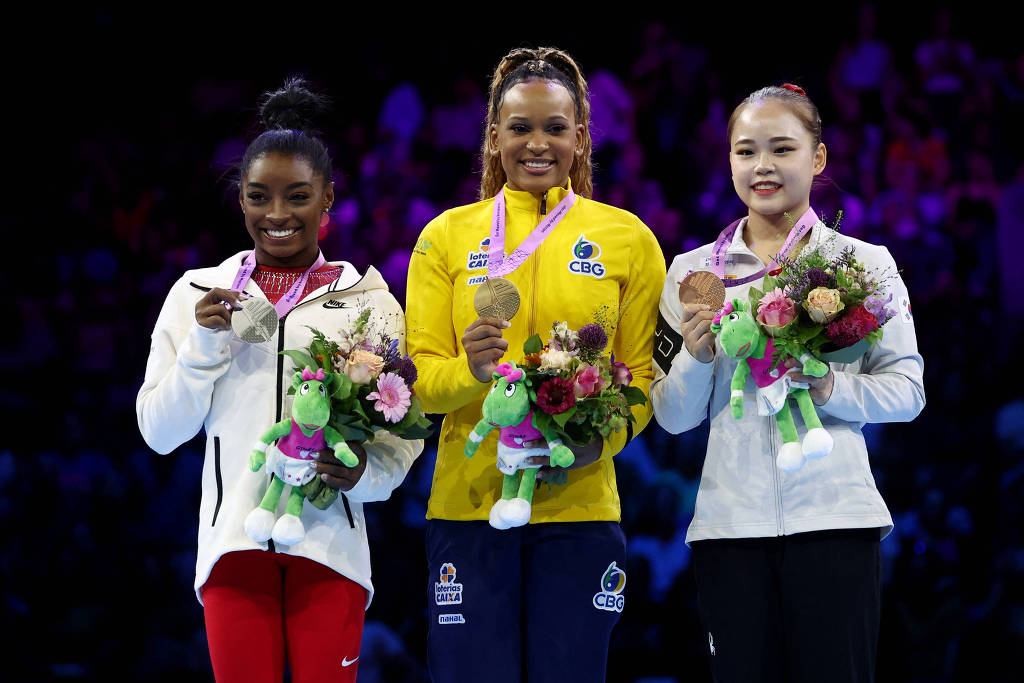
[444, 381]
[638, 314]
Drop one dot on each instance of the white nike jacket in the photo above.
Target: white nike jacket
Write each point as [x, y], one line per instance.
[202, 378]
[742, 493]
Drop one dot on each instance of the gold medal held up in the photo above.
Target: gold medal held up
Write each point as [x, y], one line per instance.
[497, 298]
[702, 287]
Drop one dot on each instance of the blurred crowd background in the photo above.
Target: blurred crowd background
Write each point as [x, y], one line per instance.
[923, 123]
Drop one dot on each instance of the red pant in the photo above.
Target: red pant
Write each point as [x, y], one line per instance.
[258, 605]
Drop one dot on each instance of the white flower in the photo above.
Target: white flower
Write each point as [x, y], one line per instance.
[555, 360]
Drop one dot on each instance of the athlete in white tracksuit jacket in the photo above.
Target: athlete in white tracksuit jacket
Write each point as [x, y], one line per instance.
[204, 378]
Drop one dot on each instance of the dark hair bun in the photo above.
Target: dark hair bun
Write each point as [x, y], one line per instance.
[293, 107]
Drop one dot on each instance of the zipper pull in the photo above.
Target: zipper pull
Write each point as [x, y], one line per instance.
[544, 203]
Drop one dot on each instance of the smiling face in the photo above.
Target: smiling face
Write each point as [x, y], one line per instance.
[774, 159]
[537, 135]
[283, 200]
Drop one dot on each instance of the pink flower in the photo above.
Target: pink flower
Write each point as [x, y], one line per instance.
[776, 310]
[588, 381]
[620, 373]
[392, 397]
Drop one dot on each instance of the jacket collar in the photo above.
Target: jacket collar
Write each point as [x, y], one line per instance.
[350, 278]
[525, 201]
[819, 233]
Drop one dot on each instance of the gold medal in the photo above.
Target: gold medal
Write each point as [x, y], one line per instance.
[497, 298]
[256, 322]
[702, 287]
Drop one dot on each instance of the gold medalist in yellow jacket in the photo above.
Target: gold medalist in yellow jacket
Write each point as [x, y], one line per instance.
[599, 260]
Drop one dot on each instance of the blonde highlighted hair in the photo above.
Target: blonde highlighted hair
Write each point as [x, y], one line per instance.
[524, 64]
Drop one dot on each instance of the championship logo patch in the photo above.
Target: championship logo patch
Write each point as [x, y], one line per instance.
[585, 255]
[446, 591]
[611, 598]
[475, 260]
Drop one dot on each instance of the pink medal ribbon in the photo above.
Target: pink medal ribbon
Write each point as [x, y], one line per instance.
[292, 296]
[497, 264]
[802, 227]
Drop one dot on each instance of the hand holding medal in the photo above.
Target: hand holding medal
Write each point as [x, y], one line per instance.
[702, 294]
[214, 310]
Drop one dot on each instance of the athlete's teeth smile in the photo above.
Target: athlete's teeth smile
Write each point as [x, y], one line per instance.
[281, 233]
[538, 164]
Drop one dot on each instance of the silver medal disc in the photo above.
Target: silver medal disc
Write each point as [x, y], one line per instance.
[256, 322]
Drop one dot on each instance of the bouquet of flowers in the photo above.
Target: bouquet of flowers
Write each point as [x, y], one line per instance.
[832, 305]
[371, 386]
[574, 388]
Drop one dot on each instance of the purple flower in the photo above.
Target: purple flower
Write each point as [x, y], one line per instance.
[593, 337]
[876, 306]
[404, 368]
[817, 278]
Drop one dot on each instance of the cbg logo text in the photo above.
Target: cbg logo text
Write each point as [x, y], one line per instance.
[585, 254]
[610, 598]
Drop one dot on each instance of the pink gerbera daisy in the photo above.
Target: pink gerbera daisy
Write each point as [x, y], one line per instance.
[392, 397]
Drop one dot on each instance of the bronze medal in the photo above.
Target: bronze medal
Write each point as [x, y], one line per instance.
[256, 322]
[497, 298]
[702, 287]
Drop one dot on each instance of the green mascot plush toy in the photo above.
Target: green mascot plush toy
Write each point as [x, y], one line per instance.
[742, 338]
[507, 408]
[299, 438]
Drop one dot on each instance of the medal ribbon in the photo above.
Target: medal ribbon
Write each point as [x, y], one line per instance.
[292, 296]
[497, 264]
[802, 227]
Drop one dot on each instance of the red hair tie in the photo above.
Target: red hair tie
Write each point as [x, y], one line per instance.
[795, 88]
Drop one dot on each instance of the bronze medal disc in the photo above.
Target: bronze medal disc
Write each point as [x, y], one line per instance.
[497, 298]
[256, 322]
[702, 287]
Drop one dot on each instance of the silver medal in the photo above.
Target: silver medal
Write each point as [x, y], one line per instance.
[256, 322]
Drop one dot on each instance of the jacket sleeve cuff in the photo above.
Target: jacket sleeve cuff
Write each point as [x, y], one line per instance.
[843, 402]
[205, 347]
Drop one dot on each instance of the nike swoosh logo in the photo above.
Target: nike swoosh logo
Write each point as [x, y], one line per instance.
[349, 662]
[334, 303]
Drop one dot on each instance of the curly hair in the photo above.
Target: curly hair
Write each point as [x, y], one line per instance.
[521, 65]
[287, 115]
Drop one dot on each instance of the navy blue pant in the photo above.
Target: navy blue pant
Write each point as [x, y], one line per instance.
[796, 609]
[535, 603]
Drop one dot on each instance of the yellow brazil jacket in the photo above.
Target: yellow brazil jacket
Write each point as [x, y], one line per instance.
[598, 260]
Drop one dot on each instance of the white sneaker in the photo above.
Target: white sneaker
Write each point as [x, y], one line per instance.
[791, 457]
[258, 524]
[517, 512]
[817, 443]
[289, 530]
[495, 518]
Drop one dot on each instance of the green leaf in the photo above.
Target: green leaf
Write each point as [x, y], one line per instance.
[341, 386]
[542, 420]
[562, 418]
[355, 432]
[301, 359]
[533, 345]
[415, 431]
[634, 396]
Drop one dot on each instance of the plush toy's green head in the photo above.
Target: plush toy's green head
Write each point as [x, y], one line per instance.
[508, 402]
[311, 407]
[737, 329]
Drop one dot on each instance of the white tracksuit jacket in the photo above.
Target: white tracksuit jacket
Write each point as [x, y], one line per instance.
[202, 378]
[742, 493]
